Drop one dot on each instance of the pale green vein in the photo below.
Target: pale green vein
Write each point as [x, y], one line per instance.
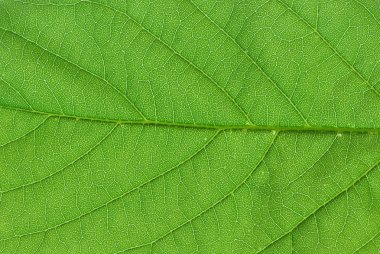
[370, 131]
[334, 197]
[218, 202]
[336, 52]
[2, 192]
[17, 92]
[244, 51]
[175, 52]
[367, 242]
[26, 133]
[367, 10]
[203, 147]
[76, 232]
[80, 68]
[224, 91]
[314, 163]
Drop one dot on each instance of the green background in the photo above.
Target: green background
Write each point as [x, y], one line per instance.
[190, 126]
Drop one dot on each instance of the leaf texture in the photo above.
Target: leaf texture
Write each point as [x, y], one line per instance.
[189, 126]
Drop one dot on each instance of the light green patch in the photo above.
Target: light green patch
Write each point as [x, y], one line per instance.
[189, 126]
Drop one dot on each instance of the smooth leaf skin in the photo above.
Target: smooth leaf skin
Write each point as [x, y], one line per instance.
[189, 126]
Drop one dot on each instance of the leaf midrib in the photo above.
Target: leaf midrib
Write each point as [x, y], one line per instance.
[221, 127]
[266, 75]
[226, 196]
[250, 125]
[253, 127]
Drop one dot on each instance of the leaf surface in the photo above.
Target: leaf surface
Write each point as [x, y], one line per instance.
[189, 126]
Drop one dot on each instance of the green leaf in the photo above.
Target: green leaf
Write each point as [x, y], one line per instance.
[189, 126]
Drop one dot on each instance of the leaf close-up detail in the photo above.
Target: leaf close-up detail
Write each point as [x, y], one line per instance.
[189, 126]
